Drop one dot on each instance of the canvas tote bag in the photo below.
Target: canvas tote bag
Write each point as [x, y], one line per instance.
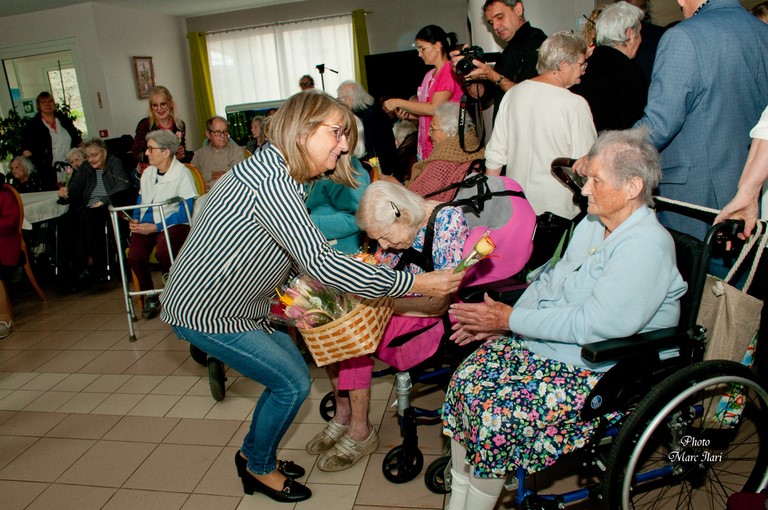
[732, 319]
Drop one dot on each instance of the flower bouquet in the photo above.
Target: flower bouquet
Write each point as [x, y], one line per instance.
[335, 326]
[482, 249]
[307, 303]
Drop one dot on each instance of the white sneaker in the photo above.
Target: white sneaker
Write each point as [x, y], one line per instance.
[5, 329]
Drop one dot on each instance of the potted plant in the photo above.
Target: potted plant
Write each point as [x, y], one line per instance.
[11, 128]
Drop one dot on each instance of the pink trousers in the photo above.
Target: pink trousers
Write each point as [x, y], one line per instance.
[356, 373]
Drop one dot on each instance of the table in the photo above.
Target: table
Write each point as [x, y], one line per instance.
[40, 207]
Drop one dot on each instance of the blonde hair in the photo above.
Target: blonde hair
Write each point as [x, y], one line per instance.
[297, 119]
[159, 90]
[589, 30]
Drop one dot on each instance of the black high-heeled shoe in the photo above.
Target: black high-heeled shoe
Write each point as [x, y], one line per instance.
[287, 467]
[292, 491]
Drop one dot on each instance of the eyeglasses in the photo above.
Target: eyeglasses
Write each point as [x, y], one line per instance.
[158, 106]
[219, 133]
[92, 155]
[433, 128]
[150, 149]
[305, 84]
[583, 65]
[337, 130]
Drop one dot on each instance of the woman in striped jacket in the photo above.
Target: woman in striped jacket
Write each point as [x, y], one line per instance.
[253, 232]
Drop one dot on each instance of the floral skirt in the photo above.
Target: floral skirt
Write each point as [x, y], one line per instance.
[512, 408]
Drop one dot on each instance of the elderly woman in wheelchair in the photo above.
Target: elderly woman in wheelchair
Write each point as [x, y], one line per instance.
[397, 219]
[515, 402]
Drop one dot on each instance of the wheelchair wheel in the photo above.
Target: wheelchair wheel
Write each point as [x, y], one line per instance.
[437, 477]
[198, 355]
[328, 406]
[402, 464]
[674, 452]
[216, 379]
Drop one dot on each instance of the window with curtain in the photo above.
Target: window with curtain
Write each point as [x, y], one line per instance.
[265, 63]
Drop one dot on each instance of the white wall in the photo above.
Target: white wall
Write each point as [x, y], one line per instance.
[104, 38]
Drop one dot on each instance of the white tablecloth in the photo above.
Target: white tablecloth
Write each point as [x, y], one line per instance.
[40, 207]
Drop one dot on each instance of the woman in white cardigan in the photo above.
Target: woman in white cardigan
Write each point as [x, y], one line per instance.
[165, 178]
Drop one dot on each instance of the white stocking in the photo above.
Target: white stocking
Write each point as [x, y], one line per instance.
[459, 477]
[469, 492]
[483, 493]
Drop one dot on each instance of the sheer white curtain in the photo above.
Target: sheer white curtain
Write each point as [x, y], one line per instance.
[265, 63]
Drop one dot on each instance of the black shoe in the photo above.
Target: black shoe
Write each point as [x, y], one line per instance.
[292, 491]
[287, 467]
[290, 469]
[151, 308]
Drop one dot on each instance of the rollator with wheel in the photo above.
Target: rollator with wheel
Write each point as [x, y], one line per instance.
[216, 376]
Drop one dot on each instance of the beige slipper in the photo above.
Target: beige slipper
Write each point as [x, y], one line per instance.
[326, 438]
[346, 452]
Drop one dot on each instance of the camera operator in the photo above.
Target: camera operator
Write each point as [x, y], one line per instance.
[517, 61]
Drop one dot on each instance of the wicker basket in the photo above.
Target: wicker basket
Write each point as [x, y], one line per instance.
[355, 334]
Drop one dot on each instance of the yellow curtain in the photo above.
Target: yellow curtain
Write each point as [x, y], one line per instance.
[360, 38]
[201, 79]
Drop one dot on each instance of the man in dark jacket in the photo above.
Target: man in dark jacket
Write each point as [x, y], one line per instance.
[517, 61]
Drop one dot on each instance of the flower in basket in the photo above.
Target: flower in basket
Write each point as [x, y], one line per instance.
[482, 249]
[306, 303]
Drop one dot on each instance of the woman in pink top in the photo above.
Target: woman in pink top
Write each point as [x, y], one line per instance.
[439, 86]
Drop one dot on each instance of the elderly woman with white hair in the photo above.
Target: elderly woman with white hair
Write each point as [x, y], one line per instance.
[24, 175]
[614, 84]
[515, 402]
[165, 178]
[379, 139]
[448, 162]
[540, 120]
[397, 219]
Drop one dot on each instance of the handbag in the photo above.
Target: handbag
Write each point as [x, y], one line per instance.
[732, 319]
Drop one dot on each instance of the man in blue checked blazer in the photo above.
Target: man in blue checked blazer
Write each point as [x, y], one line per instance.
[709, 86]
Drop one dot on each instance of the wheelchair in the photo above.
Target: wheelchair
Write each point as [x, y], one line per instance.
[489, 203]
[690, 432]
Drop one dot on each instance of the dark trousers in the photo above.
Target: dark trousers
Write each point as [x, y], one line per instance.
[82, 239]
[142, 246]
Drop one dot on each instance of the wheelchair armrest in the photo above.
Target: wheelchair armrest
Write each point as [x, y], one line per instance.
[507, 291]
[623, 348]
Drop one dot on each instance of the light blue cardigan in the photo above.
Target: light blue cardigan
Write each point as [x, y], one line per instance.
[602, 289]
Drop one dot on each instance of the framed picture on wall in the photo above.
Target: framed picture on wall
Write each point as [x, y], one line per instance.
[145, 75]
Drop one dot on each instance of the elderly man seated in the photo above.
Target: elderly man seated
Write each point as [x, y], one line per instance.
[515, 402]
[220, 154]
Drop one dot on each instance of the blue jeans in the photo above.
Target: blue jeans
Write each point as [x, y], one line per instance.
[272, 360]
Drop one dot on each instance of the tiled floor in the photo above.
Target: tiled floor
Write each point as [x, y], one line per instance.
[89, 420]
